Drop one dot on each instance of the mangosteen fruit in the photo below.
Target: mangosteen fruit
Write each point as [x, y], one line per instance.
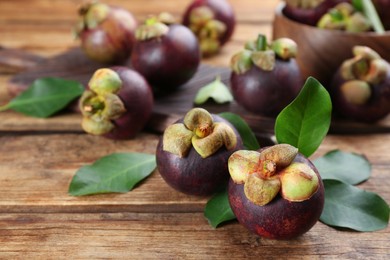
[275, 192]
[192, 154]
[117, 104]
[308, 11]
[265, 77]
[345, 17]
[106, 32]
[165, 53]
[360, 89]
[213, 23]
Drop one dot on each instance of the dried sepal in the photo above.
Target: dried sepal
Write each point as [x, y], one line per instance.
[281, 155]
[356, 92]
[264, 60]
[299, 182]
[261, 191]
[241, 62]
[285, 48]
[96, 125]
[199, 121]
[177, 140]
[221, 135]
[105, 81]
[151, 30]
[242, 163]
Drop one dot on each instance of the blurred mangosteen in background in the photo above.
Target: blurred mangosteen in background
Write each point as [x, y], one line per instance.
[167, 54]
[106, 32]
[360, 89]
[265, 77]
[213, 23]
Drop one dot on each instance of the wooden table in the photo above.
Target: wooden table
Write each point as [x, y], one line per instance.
[38, 157]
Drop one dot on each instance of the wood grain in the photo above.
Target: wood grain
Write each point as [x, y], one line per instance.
[38, 158]
[170, 236]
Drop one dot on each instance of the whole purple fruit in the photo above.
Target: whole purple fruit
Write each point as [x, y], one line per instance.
[213, 23]
[117, 104]
[308, 12]
[106, 32]
[265, 79]
[167, 55]
[276, 192]
[192, 154]
[360, 89]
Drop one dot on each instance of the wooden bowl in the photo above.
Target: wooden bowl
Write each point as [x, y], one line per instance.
[321, 52]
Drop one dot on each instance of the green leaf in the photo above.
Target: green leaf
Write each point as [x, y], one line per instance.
[350, 207]
[117, 172]
[215, 90]
[305, 122]
[370, 12]
[247, 136]
[350, 168]
[218, 209]
[45, 97]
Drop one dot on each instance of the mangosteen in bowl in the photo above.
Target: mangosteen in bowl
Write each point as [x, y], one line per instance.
[321, 51]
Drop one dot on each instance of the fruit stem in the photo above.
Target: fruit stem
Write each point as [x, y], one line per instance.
[261, 43]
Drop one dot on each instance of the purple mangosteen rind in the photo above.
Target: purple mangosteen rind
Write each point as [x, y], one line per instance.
[212, 21]
[280, 218]
[121, 103]
[193, 174]
[267, 92]
[168, 60]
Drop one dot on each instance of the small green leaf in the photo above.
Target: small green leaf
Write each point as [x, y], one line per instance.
[45, 97]
[370, 12]
[350, 168]
[117, 172]
[218, 209]
[350, 207]
[215, 90]
[247, 136]
[305, 122]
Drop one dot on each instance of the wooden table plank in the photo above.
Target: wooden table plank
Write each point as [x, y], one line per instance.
[36, 175]
[171, 236]
[38, 158]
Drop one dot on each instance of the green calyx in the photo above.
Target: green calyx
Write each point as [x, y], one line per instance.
[366, 68]
[271, 172]
[199, 131]
[155, 27]
[92, 14]
[263, 55]
[100, 105]
[304, 4]
[344, 17]
[207, 29]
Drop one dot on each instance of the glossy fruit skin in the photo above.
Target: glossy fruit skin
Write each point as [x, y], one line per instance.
[279, 219]
[267, 92]
[377, 107]
[137, 96]
[223, 12]
[309, 16]
[193, 174]
[167, 62]
[111, 42]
